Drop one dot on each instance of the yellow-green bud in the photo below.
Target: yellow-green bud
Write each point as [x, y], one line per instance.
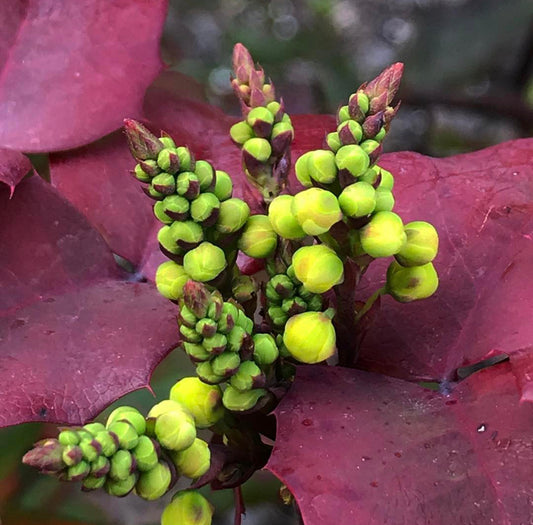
[167, 241]
[151, 192]
[294, 305]
[78, 472]
[386, 179]
[122, 465]
[159, 212]
[194, 461]
[205, 373]
[225, 364]
[412, 283]
[92, 483]
[190, 334]
[358, 199]
[384, 200]
[233, 215]
[205, 209]
[277, 315]
[188, 507]
[241, 132]
[186, 234]
[258, 239]
[142, 175]
[122, 487]
[318, 267]
[333, 141]
[167, 142]
[321, 166]
[215, 344]
[170, 278]
[203, 401]
[223, 186]
[350, 132]
[68, 437]
[283, 220]
[187, 162]
[163, 407]
[145, 454]
[382, 133]
[129, 414]
[265, 349]
[258, 148]
[188, 185]
[108, 442]
[168, 160]
[197, 353]
[164, 183]
[248, 376]
[370, 175]
[71, 455]
[90, 450]
[274, 108]
[261, 120]
[186, 316]
[384, 235]
[310, 337]
[206, 327]
[343, 114]
[369, 146]
[175, 430]
[126, 433]
[205, 262]
[282, 286]
[205, 173]
[154, 483]
[175, 206]
[316, 210]
[238, 401]
[353, 159]
[100, 467]
[302, 171]
[237, 338]
[422, 244]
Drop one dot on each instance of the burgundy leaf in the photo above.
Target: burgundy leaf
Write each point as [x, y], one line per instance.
[482, 206]
[356, 447]
[71, 71]
[13, 166]
[74, 334]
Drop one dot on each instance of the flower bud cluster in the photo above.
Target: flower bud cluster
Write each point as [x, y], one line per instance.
[119, 457]
[219, 338]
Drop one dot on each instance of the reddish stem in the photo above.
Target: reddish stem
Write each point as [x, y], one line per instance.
[239, 505]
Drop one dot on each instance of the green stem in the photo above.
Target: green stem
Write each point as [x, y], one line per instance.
[369, 303]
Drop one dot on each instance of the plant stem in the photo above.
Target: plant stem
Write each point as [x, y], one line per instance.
[369, 302]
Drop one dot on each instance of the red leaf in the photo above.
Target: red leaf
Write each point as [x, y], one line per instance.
[74, 335]
[71, 71]
[13, 167]
[482, 207]
[355, 447]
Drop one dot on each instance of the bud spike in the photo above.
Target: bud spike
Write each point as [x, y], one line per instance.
[143, 144]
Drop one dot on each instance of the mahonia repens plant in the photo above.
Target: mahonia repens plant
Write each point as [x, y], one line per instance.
[245, 334]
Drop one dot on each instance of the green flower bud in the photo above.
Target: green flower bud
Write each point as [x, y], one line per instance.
[187, 234]
[412, 283]
[141, 175]
[282, 285]
[205, 173]
[422, 244]
[121, 487]
[248, 376]
[350, 132]
[190, 334]
[244, 321]
[223, 186]
[241, 132]
[302, 171]
[261, 121]
[168, 405]
[334, 142]
[78, 472]
[275, 108]
[126, 433]
[167, 142]
[243, 288]
[205, 262]
[197, 353]
[226, 323]
[122, 465]
[233, 215]
[175, 206]
[369, 146]
[167, 241]
[384, 235]
[321, 166]
[353, 159]
[187, 317]
[277, 315]
[358, 199]
[384, 200]
[237, 338]
[206, 327]
[370, 175]
[215, 345]
[281, 137]
[168, 160]
[225, 364]
[258, 148]
[68, 437]
[386, 180]
[154, 483]
[203, 401]
[282, 219]
[359, 105]
[129, 414]
[71, 455]
[151, 192]
[294, 305]
[188, 507]
[316, 210]
[318, 267]
[175, 430]
[382, 133]
[205, 209]
[109, 442]
[310, 337]
[188, 185]
[258, 239]
[164, 183]
[92, 483]
[100, 467]
[238, 401]
[194, 461]
[145, 454]
[170, 278]
[205, 373]
[343, 114]
[159, 212]
[187, 162]
[89, 450]
[265, 349]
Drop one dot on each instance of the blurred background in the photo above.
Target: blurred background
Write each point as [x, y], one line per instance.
[468, 84]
